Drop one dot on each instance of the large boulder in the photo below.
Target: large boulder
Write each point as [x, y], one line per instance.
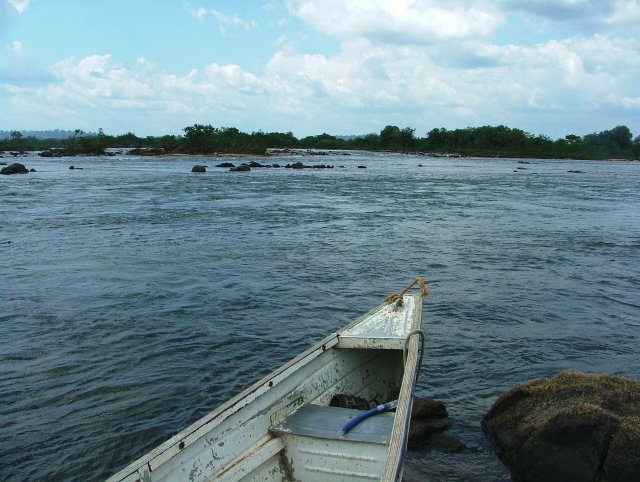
[14, 168]
[572, 427]
[199, 168]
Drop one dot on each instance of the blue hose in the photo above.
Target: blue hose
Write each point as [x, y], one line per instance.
[385, 407]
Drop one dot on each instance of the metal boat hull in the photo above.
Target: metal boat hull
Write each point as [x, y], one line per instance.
[267, 431]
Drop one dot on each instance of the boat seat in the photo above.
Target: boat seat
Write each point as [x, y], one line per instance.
[326, 423]
[315, 450]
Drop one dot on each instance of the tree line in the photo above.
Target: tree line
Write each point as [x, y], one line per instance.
[485, 141]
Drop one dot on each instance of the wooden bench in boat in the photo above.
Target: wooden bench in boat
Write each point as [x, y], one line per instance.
[316, 449]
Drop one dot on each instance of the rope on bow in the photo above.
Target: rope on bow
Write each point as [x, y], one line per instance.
[398, 296]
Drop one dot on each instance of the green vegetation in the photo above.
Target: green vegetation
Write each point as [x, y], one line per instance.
[486, 141]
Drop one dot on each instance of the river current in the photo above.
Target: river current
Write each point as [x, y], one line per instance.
[137, 296]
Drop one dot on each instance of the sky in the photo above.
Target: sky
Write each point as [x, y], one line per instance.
[341, 67]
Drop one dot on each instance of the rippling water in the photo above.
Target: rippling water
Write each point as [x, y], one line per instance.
[137, 296]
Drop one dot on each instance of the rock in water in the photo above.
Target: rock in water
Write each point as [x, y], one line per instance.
[573, 427]
[428, 408]
[14, 168]
[198, 168]
[428, 418]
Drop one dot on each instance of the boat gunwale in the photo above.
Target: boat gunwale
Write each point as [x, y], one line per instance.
[400, 430]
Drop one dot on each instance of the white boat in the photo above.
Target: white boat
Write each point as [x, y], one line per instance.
[293, 425]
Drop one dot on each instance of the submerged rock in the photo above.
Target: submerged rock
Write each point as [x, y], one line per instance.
[14, 168]
[199, 168]
[241, 168]
[573, 427]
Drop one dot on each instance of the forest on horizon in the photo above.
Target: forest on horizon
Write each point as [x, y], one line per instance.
[485, 141]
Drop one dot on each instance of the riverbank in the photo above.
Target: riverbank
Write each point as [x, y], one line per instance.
[485, 141]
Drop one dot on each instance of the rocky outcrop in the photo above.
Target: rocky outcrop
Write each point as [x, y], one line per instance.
[199, 168]
[252, 164]
[429, 417]
[53, 153]
[573, 427]
[146, 151]
[241, 168]
[300, 165]
[14, 168]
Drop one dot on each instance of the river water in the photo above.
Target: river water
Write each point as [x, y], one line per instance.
[137, 296]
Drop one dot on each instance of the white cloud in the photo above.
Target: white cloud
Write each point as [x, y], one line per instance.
[517, 85]
[411, 63]
[225, 21]
[561, 9]
[19, 5]
[584, 15]
[627, 101]
[99, 90]
[15, 67]
[625, 12]
[360, 89]
[16, 48]
[199, 13]
[399, 21]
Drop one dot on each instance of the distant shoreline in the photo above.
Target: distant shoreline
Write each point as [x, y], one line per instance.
[206, 140]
